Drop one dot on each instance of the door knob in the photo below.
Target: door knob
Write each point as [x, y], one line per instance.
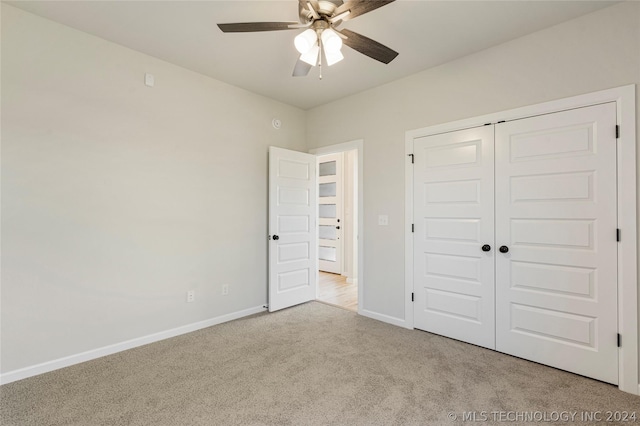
[275, 237]
[337, 227]
[486, 247]
[504, 249]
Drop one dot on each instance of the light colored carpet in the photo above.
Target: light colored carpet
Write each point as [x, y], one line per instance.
[309, 365]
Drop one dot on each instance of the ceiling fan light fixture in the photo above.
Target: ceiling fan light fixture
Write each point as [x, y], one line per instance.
[319, 40]
[331, 41]
[311, 56]
[333, 57]
[305, 41]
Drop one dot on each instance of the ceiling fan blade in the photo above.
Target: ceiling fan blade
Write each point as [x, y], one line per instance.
[313, 8]
[368, 47]
[359, 7]
[301, 69]
[308, 10]
[249, 27]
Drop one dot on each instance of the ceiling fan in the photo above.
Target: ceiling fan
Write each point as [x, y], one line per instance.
[321, 37]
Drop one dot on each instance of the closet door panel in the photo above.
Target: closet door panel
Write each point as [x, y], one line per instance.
[556, 287]
[453, 211]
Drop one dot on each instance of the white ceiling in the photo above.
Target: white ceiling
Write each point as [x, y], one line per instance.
[426, 33]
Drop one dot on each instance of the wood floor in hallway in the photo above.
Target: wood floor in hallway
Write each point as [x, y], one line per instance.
[335, 290]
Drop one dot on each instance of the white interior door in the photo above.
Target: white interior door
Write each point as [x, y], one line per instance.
[556, 213]
[330, 212]
[293, 264]
[453, 215]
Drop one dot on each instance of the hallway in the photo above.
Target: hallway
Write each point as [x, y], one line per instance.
[335, 290]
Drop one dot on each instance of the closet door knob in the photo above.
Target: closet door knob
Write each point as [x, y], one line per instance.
[504, 249]
[275, 237]
[486, 247]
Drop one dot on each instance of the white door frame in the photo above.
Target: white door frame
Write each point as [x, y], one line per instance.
[624, 97]
[357, 145]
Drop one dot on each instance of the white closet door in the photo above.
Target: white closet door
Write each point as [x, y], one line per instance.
[453, 215]
[556, 212]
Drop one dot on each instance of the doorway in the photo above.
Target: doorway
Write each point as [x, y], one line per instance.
[293, 226]
[337, 222]
[340, 283]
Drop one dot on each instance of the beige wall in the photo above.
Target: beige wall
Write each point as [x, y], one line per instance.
[117, 198]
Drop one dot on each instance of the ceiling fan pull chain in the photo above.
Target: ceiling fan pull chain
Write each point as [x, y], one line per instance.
[320, 56]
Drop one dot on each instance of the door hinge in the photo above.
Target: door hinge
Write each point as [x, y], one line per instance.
[617, 131]
[619, 340]
[412, 158]
[413, 228]
[618, 234]
[412, 297]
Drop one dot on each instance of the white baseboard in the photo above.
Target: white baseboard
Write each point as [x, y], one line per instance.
[67, 361]
[384, 318]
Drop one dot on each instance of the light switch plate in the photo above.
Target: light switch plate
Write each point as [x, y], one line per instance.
[383, 220]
